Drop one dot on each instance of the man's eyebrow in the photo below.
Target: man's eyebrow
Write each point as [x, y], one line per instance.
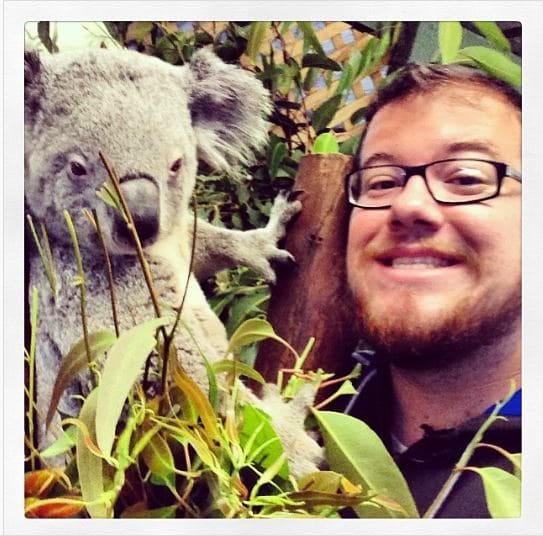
[379, 158]
[477, 146]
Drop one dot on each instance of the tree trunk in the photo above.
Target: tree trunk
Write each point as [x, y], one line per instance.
[312, 300]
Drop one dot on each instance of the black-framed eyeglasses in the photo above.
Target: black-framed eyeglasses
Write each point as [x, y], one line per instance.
[453, 181]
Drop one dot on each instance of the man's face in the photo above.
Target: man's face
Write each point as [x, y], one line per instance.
[429, 278]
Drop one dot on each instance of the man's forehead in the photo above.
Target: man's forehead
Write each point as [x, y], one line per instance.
[449, 97]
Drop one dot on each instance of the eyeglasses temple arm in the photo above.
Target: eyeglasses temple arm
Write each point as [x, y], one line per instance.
[513, 173]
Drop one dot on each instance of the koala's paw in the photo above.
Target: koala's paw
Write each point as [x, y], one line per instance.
[285, 207]
[265, 252]
[303, 452]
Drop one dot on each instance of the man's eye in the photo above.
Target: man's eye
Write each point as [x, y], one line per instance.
[381, 184]
[466, 180]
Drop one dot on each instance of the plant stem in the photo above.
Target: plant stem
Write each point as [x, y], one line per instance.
[45, 256]
[109, 271]
[139, 249]
[31, 371]
[169, 339]
[441, 497]
[82, 293]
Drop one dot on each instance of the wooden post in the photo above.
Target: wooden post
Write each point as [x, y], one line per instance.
[311, 299]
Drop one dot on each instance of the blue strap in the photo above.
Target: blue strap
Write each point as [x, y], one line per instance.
[513, 408]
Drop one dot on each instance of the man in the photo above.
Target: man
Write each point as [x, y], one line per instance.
[434, 265]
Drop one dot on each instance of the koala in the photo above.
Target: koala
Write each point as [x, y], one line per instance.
[153, 121]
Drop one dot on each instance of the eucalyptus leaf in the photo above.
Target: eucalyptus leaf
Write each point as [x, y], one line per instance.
[450, 39]
[259, 440]
[74, 362]
[89, 466]
[495, 63]
[311, 38]
[198, 401]
[63, 444]
[257, 33]
[325, 143]
[494, 34]
[354, 450]
[279, 152]
[253, 330]
[238, 368]
[140, 510]
[325, 113]
[381, 48]
[346, 80]
[502, 491]
[321, 61]
[158, 457]
[121, 370]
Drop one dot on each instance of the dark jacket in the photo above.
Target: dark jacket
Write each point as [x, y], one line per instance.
[428, 463]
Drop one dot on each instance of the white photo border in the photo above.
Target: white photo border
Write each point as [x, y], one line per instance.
[17, 12]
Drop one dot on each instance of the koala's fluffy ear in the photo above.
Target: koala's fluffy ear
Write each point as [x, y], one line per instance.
[33, 85]
[228, 108]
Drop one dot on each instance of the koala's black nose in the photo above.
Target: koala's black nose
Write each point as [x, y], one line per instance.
[147, 229]
[142, 197]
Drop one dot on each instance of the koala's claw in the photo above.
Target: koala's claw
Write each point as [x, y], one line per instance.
[294, 194]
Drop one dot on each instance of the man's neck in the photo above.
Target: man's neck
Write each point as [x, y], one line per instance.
[445, 398]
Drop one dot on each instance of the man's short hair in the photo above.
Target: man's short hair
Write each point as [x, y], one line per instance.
[415, 79]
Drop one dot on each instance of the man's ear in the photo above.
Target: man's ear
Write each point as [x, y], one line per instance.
[33, 86]
[228, 108]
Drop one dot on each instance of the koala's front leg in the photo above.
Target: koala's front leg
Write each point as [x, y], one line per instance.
[218, 248]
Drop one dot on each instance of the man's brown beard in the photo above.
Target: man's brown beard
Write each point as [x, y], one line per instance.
[439, 343]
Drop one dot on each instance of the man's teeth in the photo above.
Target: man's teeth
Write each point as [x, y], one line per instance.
[419, 263]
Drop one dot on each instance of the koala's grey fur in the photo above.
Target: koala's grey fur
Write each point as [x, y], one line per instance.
[153, 121]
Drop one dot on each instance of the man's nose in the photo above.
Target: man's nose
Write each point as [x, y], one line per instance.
[415, 207]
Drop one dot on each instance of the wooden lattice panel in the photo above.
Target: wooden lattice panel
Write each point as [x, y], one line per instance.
[338, 40]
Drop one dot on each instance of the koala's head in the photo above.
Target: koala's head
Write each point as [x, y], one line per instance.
[152, 120]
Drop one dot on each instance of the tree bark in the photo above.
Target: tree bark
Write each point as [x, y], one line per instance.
[312, 299]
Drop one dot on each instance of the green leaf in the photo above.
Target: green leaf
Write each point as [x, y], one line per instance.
[346, 80]
[259, 440]
[279, 152]
[253, 330]
[238, 368]
[382, 47]
[198, 400]
[325, 143]
[325, 113]
[74, 362]
[257, 34]
[89, 466]
[158, 456]
[494, 34]
[502, 491]
[495, 63]
[320, 61]
[350, 146]
[269, 474]
[354, 450]
[142, 29]
[64, 443]
[328, 481]
[450, 39]
[141, 511]
[121, 370]
[310, 38]
[323, 498]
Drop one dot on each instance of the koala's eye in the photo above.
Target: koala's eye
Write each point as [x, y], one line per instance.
[77, 169]
[176, 166]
